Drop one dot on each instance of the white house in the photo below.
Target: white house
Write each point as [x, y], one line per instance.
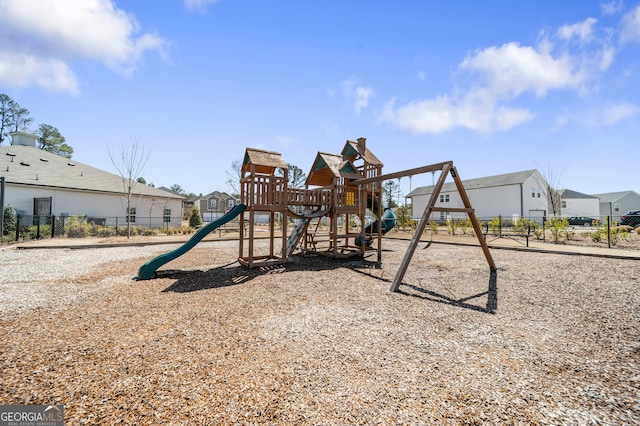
[37, 182]
[576, 204]
[511, 195]
[615, 204]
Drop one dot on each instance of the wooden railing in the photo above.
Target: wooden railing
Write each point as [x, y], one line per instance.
[264, 191]
[309, 197]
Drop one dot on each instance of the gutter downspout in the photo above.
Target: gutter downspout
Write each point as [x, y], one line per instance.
[521, 202]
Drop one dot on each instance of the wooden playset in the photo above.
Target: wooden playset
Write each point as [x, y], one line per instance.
[339, 188]
[331, 211]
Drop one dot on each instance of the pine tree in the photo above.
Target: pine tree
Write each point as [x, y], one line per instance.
[195, 220]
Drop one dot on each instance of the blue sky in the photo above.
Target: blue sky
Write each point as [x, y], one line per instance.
[494, 86]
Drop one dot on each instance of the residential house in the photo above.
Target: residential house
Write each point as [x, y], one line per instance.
[214, 205]
[37, 182]
[575, 204]
[511, 195]
[616, 204]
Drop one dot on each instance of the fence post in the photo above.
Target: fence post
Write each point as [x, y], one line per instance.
[38, 228]
[500, 225]
[116, 226]
[17, 227]
[609, 231]
[53, 226]
[1, 207]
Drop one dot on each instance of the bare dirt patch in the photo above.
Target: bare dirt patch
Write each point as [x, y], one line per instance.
[323, 341]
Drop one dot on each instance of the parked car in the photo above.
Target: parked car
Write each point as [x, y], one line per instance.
[582, 220]
[631, 218]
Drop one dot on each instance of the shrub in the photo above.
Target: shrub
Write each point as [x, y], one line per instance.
[619, 232]
[495, 225]
[597, 234]
[403, 218]
[569, 233]
[105, 231]
[523, 226]
[76, 228]
[148, 232]
[465, 225]
[452, 225]
[195, 220]
[556, 226]
[10, 219]
[31, 232]
[433, 225]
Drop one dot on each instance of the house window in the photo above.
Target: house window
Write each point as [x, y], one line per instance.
[166, 216]
[443, 215]
[616, 207]
[533, 193]
[131, 215]
[213, 203]
[564, 204]
[231, 202]
[538, 192]
[444, 198]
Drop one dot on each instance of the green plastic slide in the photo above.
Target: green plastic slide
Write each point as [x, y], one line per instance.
[147, 270]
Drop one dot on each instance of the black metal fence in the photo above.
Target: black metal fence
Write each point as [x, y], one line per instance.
[568, 230]
[28, 227]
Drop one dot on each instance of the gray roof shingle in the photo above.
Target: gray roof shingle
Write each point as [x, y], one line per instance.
[27, 165]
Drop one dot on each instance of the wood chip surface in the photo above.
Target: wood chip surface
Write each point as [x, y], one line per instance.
[322, 341]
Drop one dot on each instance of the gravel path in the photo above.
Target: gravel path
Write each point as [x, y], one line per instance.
[26, 275]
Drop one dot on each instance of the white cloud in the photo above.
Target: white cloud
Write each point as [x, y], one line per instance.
[615, 113]
[630, 31]
[359, 95]
[62, 31]
[498, 75]
[612, 7]
[422, 76]
[606, 58]
[476, 111]
[18, 70]
[583, 31]
[511, 69]
[506, 118]
[362, 95]
[429, 116]
[198, 5]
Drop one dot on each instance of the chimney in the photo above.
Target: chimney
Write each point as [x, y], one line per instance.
[362, 145]
[23, 138]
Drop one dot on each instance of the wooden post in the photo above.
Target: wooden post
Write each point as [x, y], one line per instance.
[420, 229]
[472, 217]
[252, 212]
[284, 216]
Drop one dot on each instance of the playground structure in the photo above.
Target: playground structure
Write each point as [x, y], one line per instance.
[329, 193]
[339, 189]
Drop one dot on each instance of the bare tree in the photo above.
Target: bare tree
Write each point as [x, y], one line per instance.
[551, 187]
[234, 175]
[129, 164]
